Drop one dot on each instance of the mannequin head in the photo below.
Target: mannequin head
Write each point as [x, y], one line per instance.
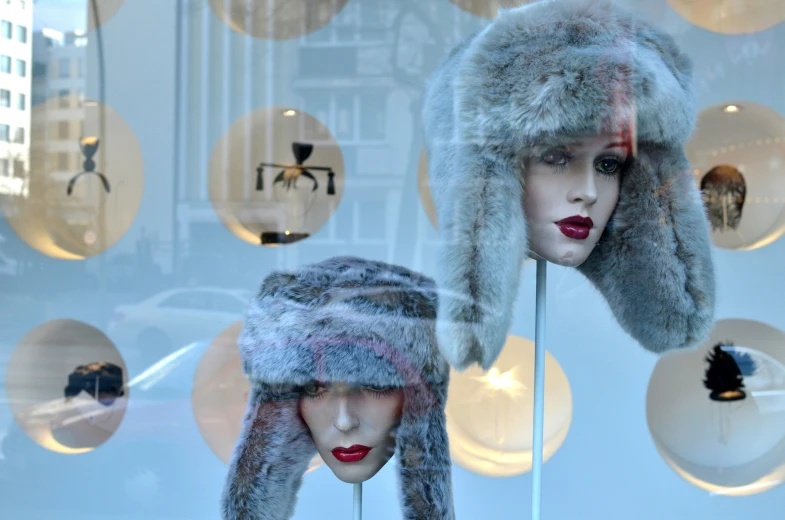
[578, 179]
[342, 416]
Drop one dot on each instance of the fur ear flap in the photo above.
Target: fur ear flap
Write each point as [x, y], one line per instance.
[269, 460]
[653, 263]
[423, 456]
[484, 240]
[482, 228]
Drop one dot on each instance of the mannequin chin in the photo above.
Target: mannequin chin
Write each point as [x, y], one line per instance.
[340, 416]
[570, 192]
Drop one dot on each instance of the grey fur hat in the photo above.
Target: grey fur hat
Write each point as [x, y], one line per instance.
[350, 320]
[536, 75]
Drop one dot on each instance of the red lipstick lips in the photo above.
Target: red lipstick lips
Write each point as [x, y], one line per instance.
[351, 454]
[575, 227]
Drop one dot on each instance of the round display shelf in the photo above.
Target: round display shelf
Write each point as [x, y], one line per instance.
[85, 180]
[490, 413]
[737, 153]
[276, 176]
[277, 19]
[488, 8]
[731, 16]
[717, 414]
[67, 386]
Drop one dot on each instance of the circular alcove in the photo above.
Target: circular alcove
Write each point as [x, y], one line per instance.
[717, 414]
[276, 19]
[737, 153]
[490, 413]
[488, 8]
[220, 393]
[276, 176]
[731, 16]
[66, 384]
[85, 181]
[99, 11]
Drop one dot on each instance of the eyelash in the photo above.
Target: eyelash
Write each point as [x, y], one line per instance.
[568, 157]
[378, 394]
[318, 394]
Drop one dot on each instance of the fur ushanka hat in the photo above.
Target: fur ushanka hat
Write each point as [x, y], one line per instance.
[342, 320]
[536, 76]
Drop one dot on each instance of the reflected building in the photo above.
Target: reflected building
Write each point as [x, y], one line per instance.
[58, 72]
[16, 49]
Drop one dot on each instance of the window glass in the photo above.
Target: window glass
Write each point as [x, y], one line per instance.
[159, 159]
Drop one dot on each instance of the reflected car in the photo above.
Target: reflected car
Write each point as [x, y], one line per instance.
[176, 317]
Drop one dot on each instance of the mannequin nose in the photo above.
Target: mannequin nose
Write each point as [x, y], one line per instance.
[345, 419]
[585, 189]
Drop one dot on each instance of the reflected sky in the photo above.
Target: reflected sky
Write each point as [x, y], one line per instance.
[61, 15]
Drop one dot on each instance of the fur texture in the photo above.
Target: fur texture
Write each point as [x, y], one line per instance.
[344, 319]
[539, 75]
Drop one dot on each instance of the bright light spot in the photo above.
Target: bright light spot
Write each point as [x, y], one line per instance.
[504, 381]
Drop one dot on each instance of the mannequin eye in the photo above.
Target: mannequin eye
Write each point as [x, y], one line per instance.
[608, 166]
[556, 158]
[314, 390]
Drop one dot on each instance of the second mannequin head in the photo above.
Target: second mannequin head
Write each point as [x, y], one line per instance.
[352, 426]
[570, 192]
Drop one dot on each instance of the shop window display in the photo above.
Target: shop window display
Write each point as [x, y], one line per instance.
[414, 159]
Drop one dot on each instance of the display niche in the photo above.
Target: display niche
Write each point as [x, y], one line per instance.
[84, 184]
[737, 154]
[220, 393]
[100, 11]
[276, 176]
[731, 16]
[67, 386]
[488, 8]
[490, 413]
[277, 19]
[717, 414]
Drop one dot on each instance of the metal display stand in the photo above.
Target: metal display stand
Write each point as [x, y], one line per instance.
[539, 390]
[358, 501]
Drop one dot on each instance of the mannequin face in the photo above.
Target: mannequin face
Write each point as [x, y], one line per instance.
[340, 416]
[577, 180]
